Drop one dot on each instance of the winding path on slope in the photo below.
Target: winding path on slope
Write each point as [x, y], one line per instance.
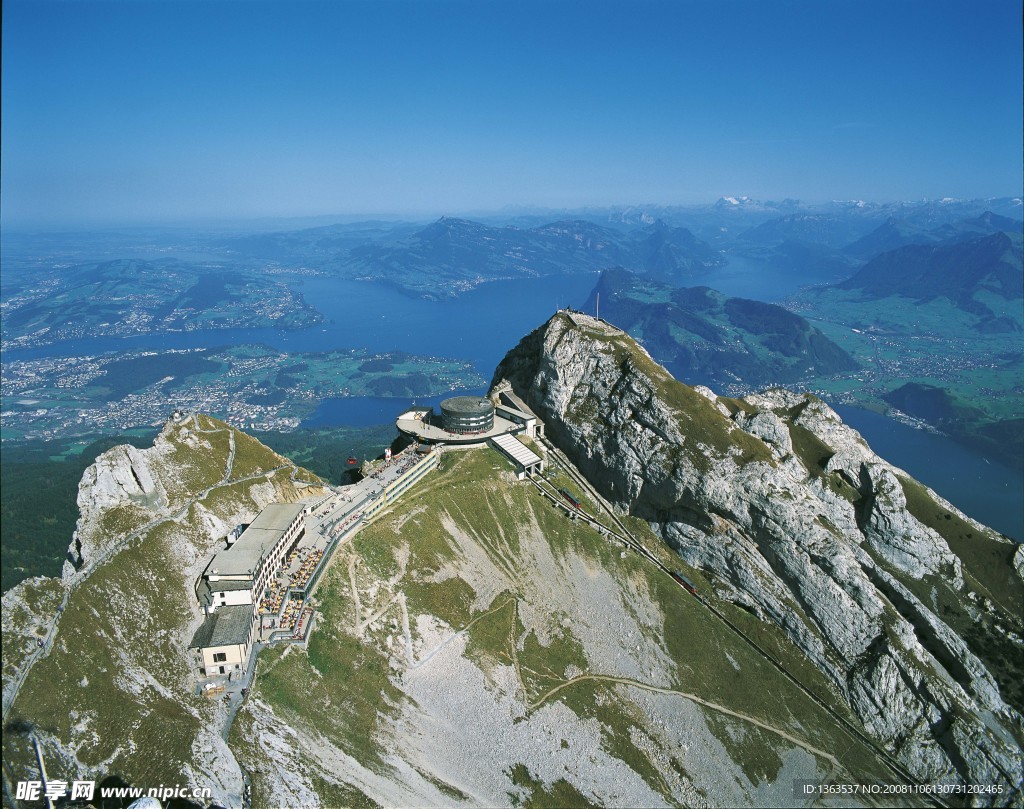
[399, 599]
[361, 625]
[693, 698]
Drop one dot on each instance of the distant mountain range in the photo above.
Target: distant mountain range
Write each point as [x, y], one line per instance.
[456, 254]
[830, 247]
[830, 230]
[894, 233]
[705, 337]
[817, 243]
[721, 222]
[453, 255]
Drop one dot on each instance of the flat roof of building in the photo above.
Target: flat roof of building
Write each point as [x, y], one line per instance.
[277, 516]
[469, 405]
[256, 540]
[226, 627]
[349, 499]
[517, 450]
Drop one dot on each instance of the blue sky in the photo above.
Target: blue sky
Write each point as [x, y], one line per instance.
[150, 111]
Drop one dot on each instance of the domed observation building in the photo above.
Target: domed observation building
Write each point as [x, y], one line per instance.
[467, 415]
[469, 421]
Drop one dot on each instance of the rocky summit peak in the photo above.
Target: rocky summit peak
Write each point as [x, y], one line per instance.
[888, 589]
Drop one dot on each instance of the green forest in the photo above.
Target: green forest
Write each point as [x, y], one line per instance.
[39, 507]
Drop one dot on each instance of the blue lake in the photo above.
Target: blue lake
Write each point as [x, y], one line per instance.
[747, 278]
[479, 326]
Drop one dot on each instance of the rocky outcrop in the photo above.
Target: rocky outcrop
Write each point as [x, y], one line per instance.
[798, 520]
[769, 428]
[127, 488]
[122, 474]
[121, 478]
[895, 534]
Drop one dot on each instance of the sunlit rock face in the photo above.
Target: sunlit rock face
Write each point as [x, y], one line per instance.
[799, 521]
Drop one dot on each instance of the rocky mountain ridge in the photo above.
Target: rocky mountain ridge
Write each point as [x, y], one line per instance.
[472, 612]
[796, 519]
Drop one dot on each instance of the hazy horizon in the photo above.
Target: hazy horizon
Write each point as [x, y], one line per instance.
[227, 221]
[167, 114]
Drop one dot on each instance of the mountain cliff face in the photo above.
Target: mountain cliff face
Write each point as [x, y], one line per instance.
[909, 608]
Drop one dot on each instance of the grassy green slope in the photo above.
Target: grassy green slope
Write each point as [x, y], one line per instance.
[558, 609]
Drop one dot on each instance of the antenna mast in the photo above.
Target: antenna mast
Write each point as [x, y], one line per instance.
[598, 312]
